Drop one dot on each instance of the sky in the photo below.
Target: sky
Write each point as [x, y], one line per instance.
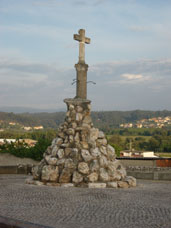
[129, 56]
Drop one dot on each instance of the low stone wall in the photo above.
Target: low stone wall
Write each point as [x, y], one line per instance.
[148, 168]
[16, 169]
[139, 168]
[150, 173]
[145, 162]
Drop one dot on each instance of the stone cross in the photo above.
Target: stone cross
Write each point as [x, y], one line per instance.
[82, 40]
[81, 66]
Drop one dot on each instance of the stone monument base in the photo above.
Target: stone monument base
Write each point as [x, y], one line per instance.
[80, 156]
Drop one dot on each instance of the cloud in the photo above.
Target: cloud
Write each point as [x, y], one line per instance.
[99, 2]
[80, 3]
[33, 84]
[138, 28]
[90, 3]
[33, 29]
[132, 76]
[143, 73]
[144, 84]
[46, 3]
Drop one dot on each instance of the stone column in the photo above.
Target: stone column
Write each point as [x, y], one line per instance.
[82, 52]
[81, 91]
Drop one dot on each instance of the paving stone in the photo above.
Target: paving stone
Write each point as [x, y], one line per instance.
[146, 206]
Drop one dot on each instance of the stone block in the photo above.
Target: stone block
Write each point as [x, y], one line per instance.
[86, 155]
[131, 181]
[101, 142]
[101, 135]
[112, 184]
[94, 165]
[71, 139]
[84, 144]
[68, 151]
[103, 150]
[71, 107]
[87, 120]
[60, 153]
[95, 152]
[70, 164]
[94, 133]
[59, 141]
[36, 171]
[93, 177]
[79, 117]
[103, 161]
[61, 135]
[54, 141]
[97, 185]
[83, 168]
[77, 177]
[74, 125]
[79, 108]
[70, 131]
[50, 173]
[65, 176]
[49, 149]
[123, 184]
[53, 151]
[114, 176]
[61, 161]
[67, 185]
[53, 184]
[51, 160]
[104, 175]
[110, 152]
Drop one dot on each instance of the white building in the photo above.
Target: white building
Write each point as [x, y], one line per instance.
[138, 154]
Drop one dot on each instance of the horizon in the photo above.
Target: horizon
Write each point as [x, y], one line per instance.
[31, 110]
[129, 56]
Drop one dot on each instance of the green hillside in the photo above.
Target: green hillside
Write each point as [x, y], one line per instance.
[105, 120]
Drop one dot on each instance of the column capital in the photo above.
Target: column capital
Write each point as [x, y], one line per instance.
[81, 66]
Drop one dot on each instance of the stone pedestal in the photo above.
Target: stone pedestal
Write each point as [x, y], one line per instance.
[80, 155]
[81, 91]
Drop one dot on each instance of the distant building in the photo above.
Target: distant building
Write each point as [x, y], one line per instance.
[137, 154]
[139, 125]
[29, 142]
[3, 141]
[127, 125]
[38, 127]
[27, 128]
[12, 123]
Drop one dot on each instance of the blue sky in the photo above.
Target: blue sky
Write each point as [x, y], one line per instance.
[129, 56]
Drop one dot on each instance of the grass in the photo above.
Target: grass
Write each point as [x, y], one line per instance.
[163, 155]
[123, 138]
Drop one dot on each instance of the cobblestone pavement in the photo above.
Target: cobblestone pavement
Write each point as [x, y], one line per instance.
[146, 206]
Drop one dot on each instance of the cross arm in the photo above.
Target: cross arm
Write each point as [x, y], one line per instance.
[77, 37]
[80, 39]
[87, 40]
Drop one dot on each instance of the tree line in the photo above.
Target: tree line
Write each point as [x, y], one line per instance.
[104, 120]
[157, 140]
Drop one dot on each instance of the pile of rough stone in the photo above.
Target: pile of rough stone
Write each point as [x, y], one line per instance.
[80, 155]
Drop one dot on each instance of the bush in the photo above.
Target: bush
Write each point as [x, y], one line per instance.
[117, 149]
[21, 149]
